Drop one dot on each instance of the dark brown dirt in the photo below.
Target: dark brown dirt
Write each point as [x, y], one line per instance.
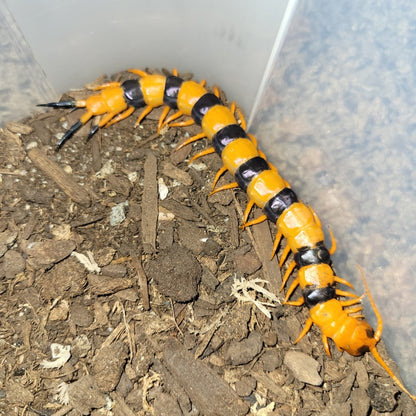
[146, 323]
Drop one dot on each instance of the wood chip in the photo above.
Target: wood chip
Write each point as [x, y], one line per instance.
[142, 278]
[45, 253]
[149, 204]
[211, 395]
[18, 128]
[76, 192]
[173, 172]
[105, 285]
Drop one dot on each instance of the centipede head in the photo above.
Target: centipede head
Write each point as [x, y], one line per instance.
[362, 339]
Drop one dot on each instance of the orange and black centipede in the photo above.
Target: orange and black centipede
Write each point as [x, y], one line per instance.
[338, 318]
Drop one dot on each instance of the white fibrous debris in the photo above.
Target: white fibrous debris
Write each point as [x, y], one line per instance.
[163, 189]
[60, 355]
[88, 261]
[150, 379]
[247, 291]
[264, 410]
[62, 393]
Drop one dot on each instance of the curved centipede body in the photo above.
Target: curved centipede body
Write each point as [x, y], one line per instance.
[336, 312]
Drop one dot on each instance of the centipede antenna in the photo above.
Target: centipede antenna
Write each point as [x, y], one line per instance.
[379, 330]
[380, 360]
[377, 336]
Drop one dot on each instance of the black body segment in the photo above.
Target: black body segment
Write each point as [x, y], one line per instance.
[226, 135]
[313, 296]
[201, 107]
[133, 93]
[172, 87]
[277, 204]
[319, 254]
[249, 170]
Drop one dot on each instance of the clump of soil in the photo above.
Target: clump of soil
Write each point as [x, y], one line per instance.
[117, 298]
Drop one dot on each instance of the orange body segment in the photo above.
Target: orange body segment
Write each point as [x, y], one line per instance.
[189, 94]
[264, 186]
[299, 227]
[215, 119]
[153, 87]
[238, 152]
[320, 275]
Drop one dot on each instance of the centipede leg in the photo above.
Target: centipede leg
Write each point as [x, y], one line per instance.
[305, 330]
[333, 240]
[235, 110]
[288, 272]
[172, 117]
[346, 294]
[64, 104]
[121, 116]
[68, 134]
[351, 302]
[162, 118]
[298, 302]
[139, 72]
[103, 122]
[285, 253]
[354, 310]
[191, 140]
[276, 243]
[326, 345]
[105, 85]
[247, 211]
[343, 281]
[257, 220]
[185, 123]
[143, 114]
[203, 153]
[292, 287]
[218, 175]
[333, 243]
[230, 185]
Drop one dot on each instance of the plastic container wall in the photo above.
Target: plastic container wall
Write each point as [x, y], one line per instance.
[73, 42]
[338, 120]
[22, 81]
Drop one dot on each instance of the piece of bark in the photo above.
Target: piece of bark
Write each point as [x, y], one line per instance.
[142, 279]
[149, 205]
[211, 395]
[68, 185]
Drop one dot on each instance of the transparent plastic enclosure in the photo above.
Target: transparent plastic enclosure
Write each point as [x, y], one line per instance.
[337, 118]
[48, 47]
[333, 107]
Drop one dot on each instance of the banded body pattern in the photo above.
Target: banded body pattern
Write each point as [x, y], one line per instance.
[338, 319]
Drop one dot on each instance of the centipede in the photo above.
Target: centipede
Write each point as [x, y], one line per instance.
[336, 312]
